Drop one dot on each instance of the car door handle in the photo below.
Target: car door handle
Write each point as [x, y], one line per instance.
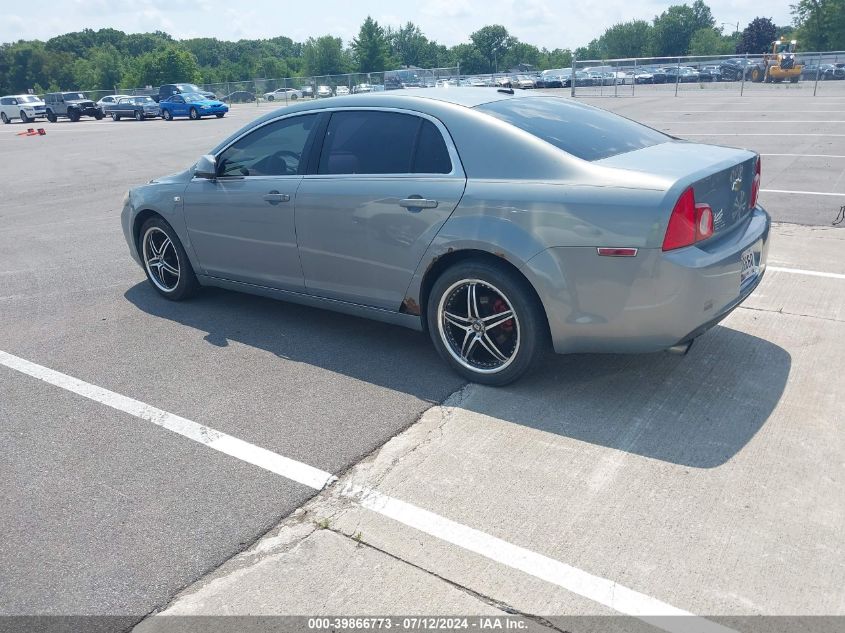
[418, 203]
[274, 197]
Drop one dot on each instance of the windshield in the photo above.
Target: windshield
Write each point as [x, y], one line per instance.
[70, 96]
[193, 97]
[586, 132]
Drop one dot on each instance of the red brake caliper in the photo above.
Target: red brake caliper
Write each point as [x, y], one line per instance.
[501, 306]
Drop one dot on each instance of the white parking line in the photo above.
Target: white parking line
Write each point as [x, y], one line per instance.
[803, 193]
[802, 271]
[758, 134]
[601, 590]
[808, 155]
[735, 121]
[743, 111]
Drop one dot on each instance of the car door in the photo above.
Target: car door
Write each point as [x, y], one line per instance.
[383, 185]
[241, 224]
[7, 106]
[176, 105]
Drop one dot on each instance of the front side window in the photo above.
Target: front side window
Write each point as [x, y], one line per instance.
[275, 149]
[586, 132]
[375, 142]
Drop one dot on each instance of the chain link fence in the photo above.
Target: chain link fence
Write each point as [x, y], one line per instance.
[290, 89]
[814, 73]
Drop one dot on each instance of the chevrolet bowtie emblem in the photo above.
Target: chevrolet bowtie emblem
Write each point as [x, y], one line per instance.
[737, 184]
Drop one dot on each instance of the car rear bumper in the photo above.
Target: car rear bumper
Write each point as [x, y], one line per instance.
[649, 302]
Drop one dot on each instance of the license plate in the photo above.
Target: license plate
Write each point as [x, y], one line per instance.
[748, 268]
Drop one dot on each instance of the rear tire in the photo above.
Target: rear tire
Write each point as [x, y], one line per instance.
[220, 115]
[193, 114]
[51, 117]
[4, 118]
[474, 341]
[162, 253]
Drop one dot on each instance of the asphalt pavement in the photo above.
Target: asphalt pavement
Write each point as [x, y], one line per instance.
[708, 483]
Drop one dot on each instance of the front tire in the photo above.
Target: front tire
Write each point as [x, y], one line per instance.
[486, 322]
[165, 261]
[115, 116]
[139, 116]
[99, 116]
[24, 118]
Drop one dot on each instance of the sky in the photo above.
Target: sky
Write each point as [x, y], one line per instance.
[549, 23]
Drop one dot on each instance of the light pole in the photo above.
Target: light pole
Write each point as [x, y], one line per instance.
[731, 24]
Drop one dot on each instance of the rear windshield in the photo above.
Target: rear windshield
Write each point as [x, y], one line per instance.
[588, 133]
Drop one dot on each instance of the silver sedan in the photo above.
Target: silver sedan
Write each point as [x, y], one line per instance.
[501, 224]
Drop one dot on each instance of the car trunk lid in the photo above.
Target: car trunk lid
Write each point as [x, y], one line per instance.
[722, 177]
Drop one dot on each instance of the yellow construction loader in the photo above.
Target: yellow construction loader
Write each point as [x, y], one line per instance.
[778, 65]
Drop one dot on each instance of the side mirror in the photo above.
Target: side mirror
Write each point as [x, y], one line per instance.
[206, 167]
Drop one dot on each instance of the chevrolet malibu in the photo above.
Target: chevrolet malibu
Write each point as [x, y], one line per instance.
[500, 224]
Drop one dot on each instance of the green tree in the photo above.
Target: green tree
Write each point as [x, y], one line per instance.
[471, 61]
[820, 24]
[163, 66]
[370, 49]
[627, 39]
[491, 42]
[323, 56]
[757, 37]
[710, 41]
[520, 53]
[408, 45]
[673, 29]
[557, 58]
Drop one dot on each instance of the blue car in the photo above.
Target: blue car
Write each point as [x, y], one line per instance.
[192, 105]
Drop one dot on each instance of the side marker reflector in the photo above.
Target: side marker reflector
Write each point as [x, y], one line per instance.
[617, 252]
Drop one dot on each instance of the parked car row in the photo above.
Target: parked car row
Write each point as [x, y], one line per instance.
[75, 105]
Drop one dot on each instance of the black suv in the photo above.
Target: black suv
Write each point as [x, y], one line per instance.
[72, 105]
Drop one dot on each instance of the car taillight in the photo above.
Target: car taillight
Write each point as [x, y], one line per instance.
[689, 222]
[755, 185]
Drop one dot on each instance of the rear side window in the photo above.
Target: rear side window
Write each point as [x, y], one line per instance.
[362, 142]
[431, 156]
[585, 132]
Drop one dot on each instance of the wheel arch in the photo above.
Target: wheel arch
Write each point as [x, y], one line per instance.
[449, 259]
[140, 219]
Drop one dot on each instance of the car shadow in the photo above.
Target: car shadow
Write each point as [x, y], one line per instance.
[698, 410]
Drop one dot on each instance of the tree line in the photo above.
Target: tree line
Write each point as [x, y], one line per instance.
[105, 58]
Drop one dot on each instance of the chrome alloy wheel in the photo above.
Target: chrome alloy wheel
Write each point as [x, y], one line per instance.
[478, 326]
[161, 259]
